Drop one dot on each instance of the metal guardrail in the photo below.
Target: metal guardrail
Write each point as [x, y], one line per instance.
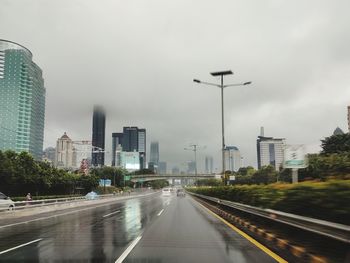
[333, 230]
[19, 205]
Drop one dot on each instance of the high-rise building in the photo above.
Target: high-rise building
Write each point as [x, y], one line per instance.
[117, 141]
[349, 119]
[162, 168]
[22, 100]
[191, 167]
[175, 170]
[154, 153]
[65, 153]
[130, 160]
[209, 164]
[232, 158]
[142, 147]
[132, 139]
[270, 151]
[49, 154]
[98, 136]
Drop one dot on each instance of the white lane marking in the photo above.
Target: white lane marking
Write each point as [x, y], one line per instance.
[75, 211]
[161, 211]
[26, 244]
[128, 250]
[112, 213]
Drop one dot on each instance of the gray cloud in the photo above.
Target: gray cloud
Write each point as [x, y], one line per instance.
[138, 58]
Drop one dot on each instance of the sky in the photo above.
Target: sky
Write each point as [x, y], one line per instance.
[138, 58]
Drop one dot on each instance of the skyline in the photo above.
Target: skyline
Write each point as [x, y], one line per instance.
[146, 55]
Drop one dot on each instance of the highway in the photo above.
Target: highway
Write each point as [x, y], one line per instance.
[152, 228]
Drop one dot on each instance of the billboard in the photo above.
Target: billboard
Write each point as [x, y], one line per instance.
[295, 157]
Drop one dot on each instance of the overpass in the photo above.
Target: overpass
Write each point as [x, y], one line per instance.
[152, 177]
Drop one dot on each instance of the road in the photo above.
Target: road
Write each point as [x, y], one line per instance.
[153, 228]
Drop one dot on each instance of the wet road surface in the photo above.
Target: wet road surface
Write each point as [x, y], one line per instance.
[154, 228]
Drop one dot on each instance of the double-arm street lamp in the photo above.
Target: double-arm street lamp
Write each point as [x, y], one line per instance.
[221, 74]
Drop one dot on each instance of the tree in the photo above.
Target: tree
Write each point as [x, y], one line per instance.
[336, 144]
[265, 175]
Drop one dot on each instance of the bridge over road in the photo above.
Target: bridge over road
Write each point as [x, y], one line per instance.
[152, 177]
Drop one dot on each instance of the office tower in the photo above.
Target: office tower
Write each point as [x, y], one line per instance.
[175, 170]
[130, 139]
[191, 167]
[209, 164]
[98, 136]
[117, 141]
[232, 158]
[22, 100]
[65, 153]
[142, 147]
[49, 155]
[162, 167]
[349, 119]
[154, 153]
[270, 151]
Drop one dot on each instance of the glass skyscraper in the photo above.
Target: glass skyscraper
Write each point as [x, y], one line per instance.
[98, 136]
[22, 100]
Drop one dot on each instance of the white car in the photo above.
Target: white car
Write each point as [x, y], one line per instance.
[166, 192]
[6, 203]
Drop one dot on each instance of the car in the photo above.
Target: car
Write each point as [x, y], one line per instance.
[180, 192]
[6, 203]
[166, 192]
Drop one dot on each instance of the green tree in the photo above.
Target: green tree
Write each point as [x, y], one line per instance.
[336, 144]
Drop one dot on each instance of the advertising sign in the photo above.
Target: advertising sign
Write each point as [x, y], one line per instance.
[232, 177]
[295, 157]
[106, 182]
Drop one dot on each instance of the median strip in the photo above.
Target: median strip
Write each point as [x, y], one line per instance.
[25, 244]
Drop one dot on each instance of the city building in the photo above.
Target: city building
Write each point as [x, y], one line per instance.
[338, 131]
[162, 168]
[22, 100]
[175, 170]
[191, 167]
[117, 142]
[142, 147]
[154, 153]
[209, 164]
[270, 151]
[130, 161]
[232, 158]
[132, 139]
[98, 136]
[49, 155]
[65, 153]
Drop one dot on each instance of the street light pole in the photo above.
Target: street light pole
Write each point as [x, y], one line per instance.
[222, 86]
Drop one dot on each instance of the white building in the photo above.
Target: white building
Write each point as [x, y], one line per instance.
[232, 158]
[209, 164]
[65, 153]
[270, 151]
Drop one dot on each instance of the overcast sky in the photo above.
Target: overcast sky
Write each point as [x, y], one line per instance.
[138, 59]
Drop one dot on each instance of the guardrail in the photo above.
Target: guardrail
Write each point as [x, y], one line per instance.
[19, 205]
[333, 230]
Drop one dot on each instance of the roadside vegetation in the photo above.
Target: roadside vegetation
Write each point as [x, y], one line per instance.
[324, 190]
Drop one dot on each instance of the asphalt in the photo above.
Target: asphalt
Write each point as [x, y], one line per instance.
[153, 228]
